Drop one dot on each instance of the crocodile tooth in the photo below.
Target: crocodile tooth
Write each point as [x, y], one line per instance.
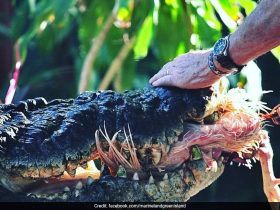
[49, 196]
[254, 159]
[151, 180]
[33, 195]
[214, 166]
[76, 193]
[66, 189]
[90, 180]
[64, 196]
[160, 170]
[156, 156]
[165, 177]
[79, 185]
[135, 176]
[239, 164]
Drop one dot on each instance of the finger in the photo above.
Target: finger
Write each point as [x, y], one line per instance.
[163, 72]
[154, 78]
[159, 75]
[163, 81]
[276, 182]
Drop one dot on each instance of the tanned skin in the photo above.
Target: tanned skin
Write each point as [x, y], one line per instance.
[257, 35]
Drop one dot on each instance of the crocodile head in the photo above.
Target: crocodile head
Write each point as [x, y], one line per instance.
[179, 139]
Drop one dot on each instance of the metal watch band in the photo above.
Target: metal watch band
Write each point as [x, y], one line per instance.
[212, 66]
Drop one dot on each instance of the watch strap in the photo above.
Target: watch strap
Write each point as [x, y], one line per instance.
[212, 66]
[226, 61]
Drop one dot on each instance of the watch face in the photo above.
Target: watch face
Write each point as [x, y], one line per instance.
[220, 46]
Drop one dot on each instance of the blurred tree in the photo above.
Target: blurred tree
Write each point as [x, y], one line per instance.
[78, 40]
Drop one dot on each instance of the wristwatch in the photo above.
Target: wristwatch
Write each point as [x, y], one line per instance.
[220, 54]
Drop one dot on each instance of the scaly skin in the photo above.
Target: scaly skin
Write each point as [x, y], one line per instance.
[41, 140]
[171, 144]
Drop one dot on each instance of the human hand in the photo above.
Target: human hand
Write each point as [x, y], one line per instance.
[270, 183]
[187, 71]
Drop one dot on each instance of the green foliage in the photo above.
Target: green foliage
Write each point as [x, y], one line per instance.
[207, 32]
[196, 153]
[163, 29]
[276, 52]
[248, 5]
[144, 38]
[171, 32]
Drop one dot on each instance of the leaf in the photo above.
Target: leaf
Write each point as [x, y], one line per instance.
[210, 17]
[231, 8]
[276, 52]
[206, 34]
[228, 11]
[123, 14]
[139, 15]
[143, 38]
[248, 5]
[91, 22]
[23, 42]
[26, 27]
[172, 29]
[196, 153]
[32, 5]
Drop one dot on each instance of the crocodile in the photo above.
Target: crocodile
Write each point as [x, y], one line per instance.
[155, 144]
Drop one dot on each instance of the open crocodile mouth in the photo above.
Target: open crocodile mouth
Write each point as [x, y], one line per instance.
[231, 129]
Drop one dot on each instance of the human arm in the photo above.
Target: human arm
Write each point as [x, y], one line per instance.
[257, 35]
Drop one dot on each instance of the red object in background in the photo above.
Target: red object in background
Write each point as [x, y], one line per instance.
[14, 80]
[274, 115]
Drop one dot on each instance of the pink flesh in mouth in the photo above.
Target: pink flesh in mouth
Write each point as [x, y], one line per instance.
[232, 133]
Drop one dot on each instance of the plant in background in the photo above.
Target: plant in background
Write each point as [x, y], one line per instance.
[117, 44]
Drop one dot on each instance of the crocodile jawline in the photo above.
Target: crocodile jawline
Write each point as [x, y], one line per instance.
[149, 134]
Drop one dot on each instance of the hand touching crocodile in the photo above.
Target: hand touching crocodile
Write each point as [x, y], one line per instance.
[257, 35]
